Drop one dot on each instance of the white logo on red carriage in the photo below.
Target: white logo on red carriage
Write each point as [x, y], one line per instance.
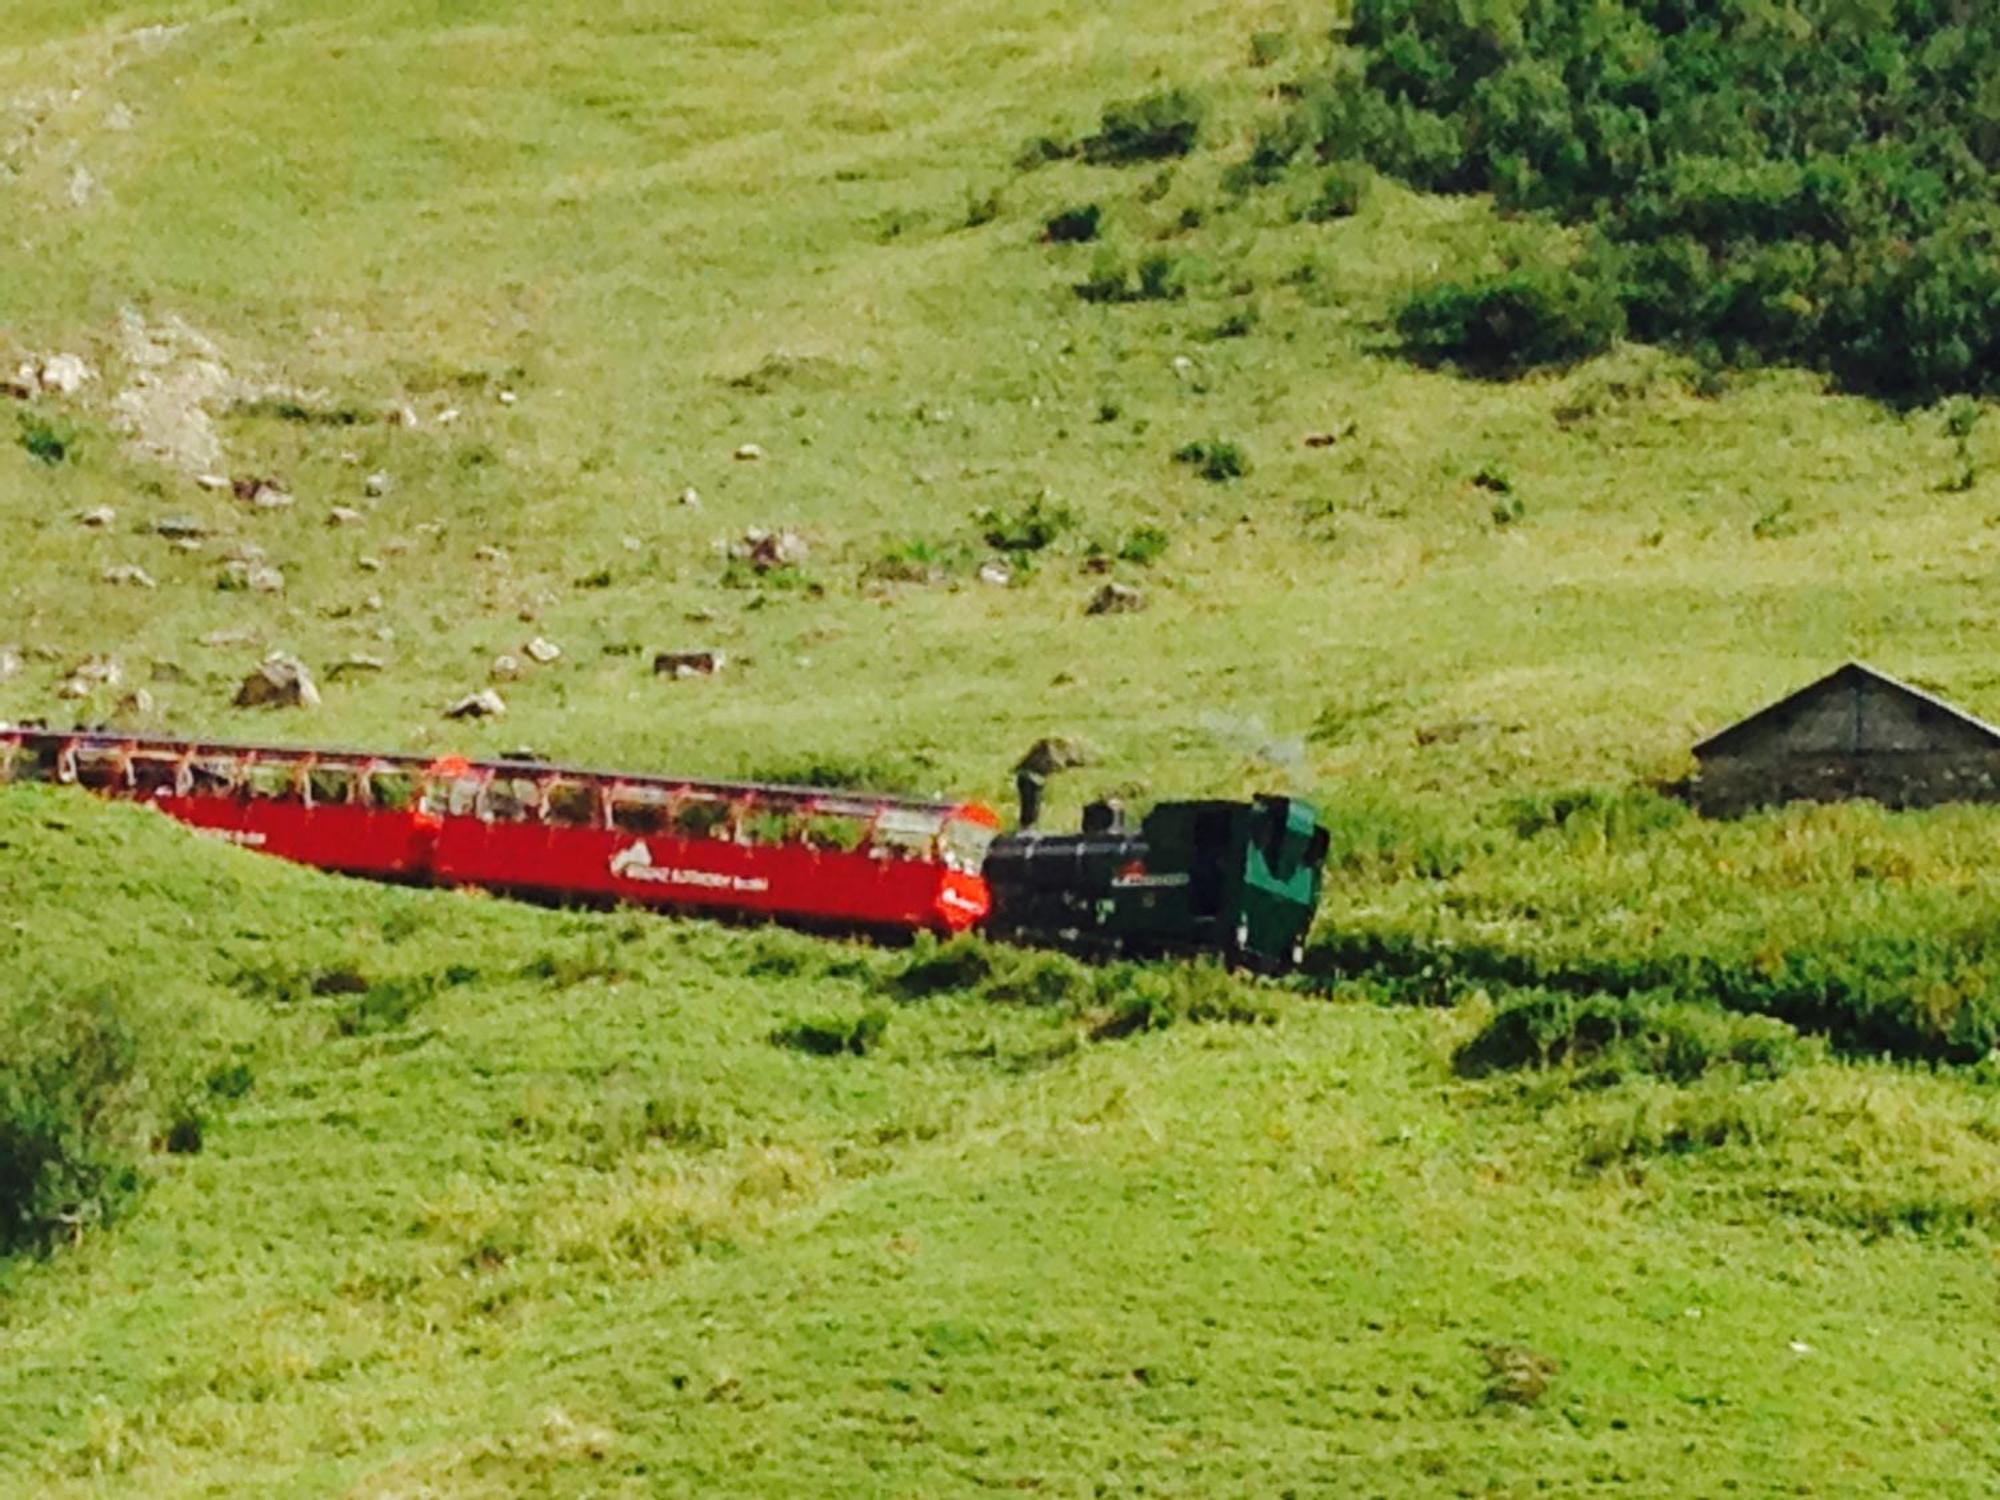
[636, 863]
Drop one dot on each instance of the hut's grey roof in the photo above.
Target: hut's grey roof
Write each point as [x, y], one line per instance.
[1857, 680]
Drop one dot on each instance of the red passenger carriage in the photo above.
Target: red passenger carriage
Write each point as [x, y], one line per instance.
[836, 859]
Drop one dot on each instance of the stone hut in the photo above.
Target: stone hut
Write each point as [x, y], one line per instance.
[1855, 733]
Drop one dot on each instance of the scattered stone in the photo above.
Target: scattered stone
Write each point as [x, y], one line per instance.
[488, 554]
[258, 577]
[100, 671]
[691, 498]
[1056, 753]
[186, 544]
[700, 617]
[377, 485]
[97, 517]
[10, 662]
[1183, 366]
[280, 681]
[766, 550]
[137, 704]
[1517, 1376]
[749, 453]
[402, 415]
[448, 416]
[73, 688]
[344, 515]
[1116, 599]
[359, 662]
[508, 398]
[55, 375]
[261, 493]
[368, 564]
[180, 529]
[129, 573]
[373, 604]
[484, 704]
[996, 573]
[543, 651]
[1097, 563]
[678, 664]
[214, 483]
[248, 552]
[630, 543]
[506, 668]
[396, 546]
[1328, 439]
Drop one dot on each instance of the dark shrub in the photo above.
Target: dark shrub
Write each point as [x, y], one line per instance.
[1521, 321]
[1160, 125]
[1606, 1037]
[76, 1106]
[1073, 226]
[1030, 529]
[834, 1036]
[1215, 459]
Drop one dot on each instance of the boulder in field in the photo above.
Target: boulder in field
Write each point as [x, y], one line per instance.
[484, 704]
[698, 663]
[280, 681]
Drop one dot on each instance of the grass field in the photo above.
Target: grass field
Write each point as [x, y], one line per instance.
[543, 1208]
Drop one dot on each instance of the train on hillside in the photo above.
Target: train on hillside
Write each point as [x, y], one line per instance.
[1237, 879]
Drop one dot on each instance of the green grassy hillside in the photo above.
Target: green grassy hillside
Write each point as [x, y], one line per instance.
[494, 1200]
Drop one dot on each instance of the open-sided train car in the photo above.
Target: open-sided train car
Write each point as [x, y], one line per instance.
[832, 859]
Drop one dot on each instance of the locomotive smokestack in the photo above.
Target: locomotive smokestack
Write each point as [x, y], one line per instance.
[1029, 785]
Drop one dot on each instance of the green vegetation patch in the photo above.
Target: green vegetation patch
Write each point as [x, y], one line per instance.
[1810, 184]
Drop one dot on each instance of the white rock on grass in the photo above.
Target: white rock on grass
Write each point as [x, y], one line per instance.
[129, 573]
[749, 453]
[543, 651]
[484, 704]
[97, 517]
[280, 681]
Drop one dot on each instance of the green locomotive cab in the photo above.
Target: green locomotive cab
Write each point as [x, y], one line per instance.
[1237, 878]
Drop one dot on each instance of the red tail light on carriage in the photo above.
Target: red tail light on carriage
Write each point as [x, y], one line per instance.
[834, 859]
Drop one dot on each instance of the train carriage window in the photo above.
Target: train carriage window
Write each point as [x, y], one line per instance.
[641, 810]
[272, 779]
[459, 797]
[331, 786]
[769, 825]
[903, 833]
[156, 775]
[391, 789]
[839, 831]
[511, 799]
[212, 776]
[572, 803]
[100, 769]
[964, 843]
[703, 817]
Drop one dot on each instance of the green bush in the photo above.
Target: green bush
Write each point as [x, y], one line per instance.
[1073, 226]
[1035, 526]
[1819, 190]
[835, 1036]
[86, 1083]
[1215, 459]
[1604, 1038]
[1161, 125]
[1502, 326]
[47, 441]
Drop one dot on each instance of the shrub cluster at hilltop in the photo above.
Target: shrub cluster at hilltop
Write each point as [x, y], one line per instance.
[1801, 181]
